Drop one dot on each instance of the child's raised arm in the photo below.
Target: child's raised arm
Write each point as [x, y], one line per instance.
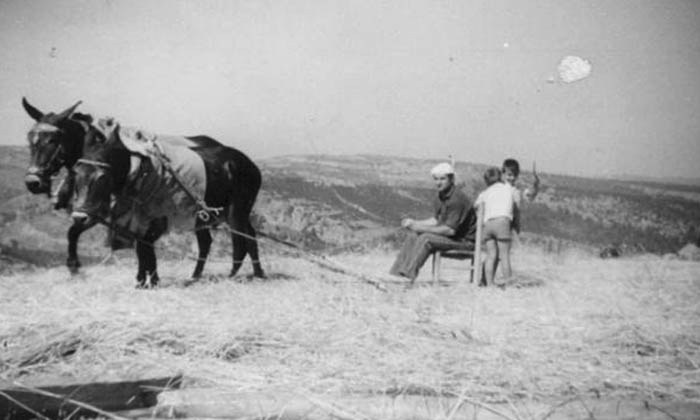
[531, 193]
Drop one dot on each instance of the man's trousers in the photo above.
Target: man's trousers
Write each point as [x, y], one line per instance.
[418, 247]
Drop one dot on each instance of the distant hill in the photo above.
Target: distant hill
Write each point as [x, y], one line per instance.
[13, 165]
[658, 180]
[643, 216]
[355, 202]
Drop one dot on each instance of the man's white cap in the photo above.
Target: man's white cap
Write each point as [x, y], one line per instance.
[442, 169]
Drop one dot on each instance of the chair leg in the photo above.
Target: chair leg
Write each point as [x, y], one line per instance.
[436, 267]
[472, 270]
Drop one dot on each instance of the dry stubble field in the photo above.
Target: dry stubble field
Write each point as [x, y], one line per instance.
[581, 330]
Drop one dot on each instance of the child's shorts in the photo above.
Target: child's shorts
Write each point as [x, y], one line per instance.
[498, 229]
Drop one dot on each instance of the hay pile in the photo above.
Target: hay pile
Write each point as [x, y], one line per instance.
[617, 328]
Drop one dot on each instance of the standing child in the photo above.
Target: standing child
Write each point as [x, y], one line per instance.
[511, 171]
[497, 200]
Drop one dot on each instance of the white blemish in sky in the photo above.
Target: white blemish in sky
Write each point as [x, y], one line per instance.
[572, 68]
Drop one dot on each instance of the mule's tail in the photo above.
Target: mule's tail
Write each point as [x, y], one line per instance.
[245, 192]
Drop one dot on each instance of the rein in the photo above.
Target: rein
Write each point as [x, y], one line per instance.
[60, 159]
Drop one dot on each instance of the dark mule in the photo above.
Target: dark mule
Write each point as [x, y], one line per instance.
[109, 170]
[55, 142]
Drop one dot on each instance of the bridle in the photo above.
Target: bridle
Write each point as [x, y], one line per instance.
[94, 163]
[53, 163]
[58, 158]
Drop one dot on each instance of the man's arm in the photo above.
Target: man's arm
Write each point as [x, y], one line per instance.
[427, 226]
[531, 193]
[426, 222]
[437, 229]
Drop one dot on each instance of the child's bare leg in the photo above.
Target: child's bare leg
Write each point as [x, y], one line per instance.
[490, 263]
[504, 257]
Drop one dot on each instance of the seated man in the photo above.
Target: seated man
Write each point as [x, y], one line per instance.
[452, 226]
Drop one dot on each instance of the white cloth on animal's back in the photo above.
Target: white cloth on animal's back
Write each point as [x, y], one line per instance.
[152, 190]
[497, 200]
[141, 141]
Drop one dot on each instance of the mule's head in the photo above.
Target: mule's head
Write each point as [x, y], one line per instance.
[52, 142]
[98, 174]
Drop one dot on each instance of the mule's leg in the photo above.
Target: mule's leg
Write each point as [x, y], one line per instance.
[141, 256]
[152, 278]
[244, 243]
[204, 244]
[252, 246]
[238, 227]
[146, 254]
[155, 231]
[245, 187]
[239, 252]
[73, 234]
[147, 276]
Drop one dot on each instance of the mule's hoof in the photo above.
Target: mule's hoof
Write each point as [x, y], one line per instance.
[141, 285]
[260, 275]
[73, 266]
[191, 282]
[151, 280]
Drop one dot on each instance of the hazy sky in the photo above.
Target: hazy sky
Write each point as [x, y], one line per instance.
[476, 79]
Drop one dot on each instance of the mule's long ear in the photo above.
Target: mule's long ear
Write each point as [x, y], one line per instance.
[33, 112]
[67, 113]
[112, 133]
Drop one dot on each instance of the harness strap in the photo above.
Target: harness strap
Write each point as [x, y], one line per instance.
[94, 163]
[84, 124]
[45, 127]
[60, 161]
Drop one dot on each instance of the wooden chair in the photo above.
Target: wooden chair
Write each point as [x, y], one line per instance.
[474, 256]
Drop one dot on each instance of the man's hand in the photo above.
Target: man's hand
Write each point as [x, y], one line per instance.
[407, 223]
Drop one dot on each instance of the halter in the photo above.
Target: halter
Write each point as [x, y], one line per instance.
[94, 163]
[58, 157]
[43, 127]
[53, 163]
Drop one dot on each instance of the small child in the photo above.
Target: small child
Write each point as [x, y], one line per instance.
[511, 171]
[497, 200]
